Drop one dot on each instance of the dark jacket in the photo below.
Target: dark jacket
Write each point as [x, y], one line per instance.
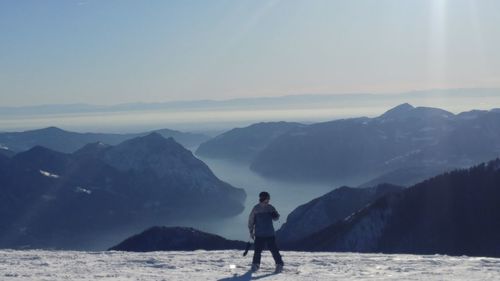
[261, 219]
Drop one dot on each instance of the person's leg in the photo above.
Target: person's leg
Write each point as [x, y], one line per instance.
[258, 245]
[271, 243]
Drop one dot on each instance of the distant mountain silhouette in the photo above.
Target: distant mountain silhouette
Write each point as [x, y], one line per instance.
[456, 213]
[328, 209]
[309, 101]
[53, 199]
[406, 110]
[66, 141]
[176, 239]
[423, 139]
[243, 144]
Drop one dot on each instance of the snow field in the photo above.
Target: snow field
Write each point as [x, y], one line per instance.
[216, 265]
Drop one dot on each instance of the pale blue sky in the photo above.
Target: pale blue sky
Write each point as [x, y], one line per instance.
[108, 52]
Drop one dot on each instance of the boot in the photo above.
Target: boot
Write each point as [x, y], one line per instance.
[254, 267]
[279, 268]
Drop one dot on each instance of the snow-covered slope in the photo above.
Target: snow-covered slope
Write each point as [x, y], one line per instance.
[217, 265]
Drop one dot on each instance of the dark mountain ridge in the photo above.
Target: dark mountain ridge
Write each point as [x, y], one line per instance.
[176, 239]
[456, 213]
[329, 209]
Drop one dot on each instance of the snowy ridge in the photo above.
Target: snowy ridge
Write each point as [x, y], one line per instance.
[216, 265]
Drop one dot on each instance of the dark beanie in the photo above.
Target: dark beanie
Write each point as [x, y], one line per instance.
[263, 196]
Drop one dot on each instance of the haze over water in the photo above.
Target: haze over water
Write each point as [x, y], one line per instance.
[285, 196]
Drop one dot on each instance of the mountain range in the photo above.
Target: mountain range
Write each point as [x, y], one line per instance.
[54, 199]
[280, 102]
[405, 137]
[68, 142]
[403, 146]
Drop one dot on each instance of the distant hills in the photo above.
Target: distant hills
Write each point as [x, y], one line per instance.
[244, 144]
[404, 137]
[456, 213]
[281, 102]
[65, 141]
[51, 199]
[176, 239]
[402, 146]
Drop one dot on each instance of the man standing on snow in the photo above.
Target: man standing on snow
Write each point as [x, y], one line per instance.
[260, 225]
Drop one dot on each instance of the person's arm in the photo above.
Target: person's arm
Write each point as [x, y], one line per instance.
[275, 215]
[251, 224]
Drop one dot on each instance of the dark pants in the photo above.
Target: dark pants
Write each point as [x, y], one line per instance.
[260, 243]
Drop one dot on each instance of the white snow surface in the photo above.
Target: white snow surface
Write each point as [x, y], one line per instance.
[80, 189]
[48, 174]
[217, 265]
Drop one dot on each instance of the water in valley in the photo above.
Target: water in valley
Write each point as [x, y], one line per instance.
[285, 196]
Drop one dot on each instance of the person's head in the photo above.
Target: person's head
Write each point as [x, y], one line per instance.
[264, 197]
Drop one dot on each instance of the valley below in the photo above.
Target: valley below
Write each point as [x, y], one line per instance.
[285, 196]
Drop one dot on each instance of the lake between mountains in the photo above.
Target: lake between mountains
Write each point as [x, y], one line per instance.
[285, 196]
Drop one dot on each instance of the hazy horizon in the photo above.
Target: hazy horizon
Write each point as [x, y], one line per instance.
[114, 52]
[217, 116]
